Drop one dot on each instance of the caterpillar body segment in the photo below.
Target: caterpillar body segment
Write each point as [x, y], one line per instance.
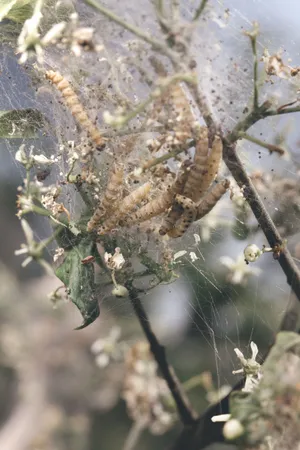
[199, 166]
[77, 110]
[213, 164]
[207, 204]
[154, 208]
[181, 103]
[114, 189]
[110, 198]
[162, 202]
[171, 218]
[126, 205]
[187, 217]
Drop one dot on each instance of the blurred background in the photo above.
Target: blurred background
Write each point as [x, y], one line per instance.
[55, 391]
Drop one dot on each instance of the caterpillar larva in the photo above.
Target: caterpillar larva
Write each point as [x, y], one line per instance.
[213, 163]
[72, 101]
[162, 202]
[186, 219]
[176, 210]
[154, 208]
[207, 204]
[110, 198]
[126, 205]
[181, 103]
[199, 167]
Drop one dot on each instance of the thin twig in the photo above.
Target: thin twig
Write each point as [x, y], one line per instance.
[271, 147]
[185, 411]
[134, 435]
[156, 44]
[160, 159]
[253, 39]
[199, 10]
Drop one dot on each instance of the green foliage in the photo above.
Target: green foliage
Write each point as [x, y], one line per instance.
[20, 123]
[79, 280]
[16, 10]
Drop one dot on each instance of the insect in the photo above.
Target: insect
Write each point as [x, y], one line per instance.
[72, 101]
[126, 205]
[110, 199]
[207, 204]
[199, 166]
[189, 211]
[162, 202]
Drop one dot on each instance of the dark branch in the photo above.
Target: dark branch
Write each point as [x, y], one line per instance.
[266, 224]
[185, 411]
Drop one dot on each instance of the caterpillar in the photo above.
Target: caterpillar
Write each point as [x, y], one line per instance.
[110, 198]
[126, 205]
[199, 167]
[153, 208]
[207, 204]
[213, 163]
[163, 201]
[181, 103]
[186, 219]
[175, 212]
[72, 101]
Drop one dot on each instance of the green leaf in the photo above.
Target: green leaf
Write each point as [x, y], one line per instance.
[79, 280]
[20, 123]
[16, 10]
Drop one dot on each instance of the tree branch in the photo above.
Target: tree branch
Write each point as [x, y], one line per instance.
[185, 411]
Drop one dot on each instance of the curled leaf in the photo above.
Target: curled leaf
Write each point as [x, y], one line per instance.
[79, 280]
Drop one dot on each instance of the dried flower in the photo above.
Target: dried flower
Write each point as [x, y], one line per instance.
[147, 395]
[115, 261]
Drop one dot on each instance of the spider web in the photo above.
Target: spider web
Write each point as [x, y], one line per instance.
[203, 314]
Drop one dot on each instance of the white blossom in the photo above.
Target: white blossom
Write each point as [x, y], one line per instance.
[238, 269]
[250, 367]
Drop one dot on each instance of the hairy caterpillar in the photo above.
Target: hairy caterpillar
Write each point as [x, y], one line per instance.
[72, 101]
[125, 206]
[110, 198]
[162, 202]
[186, 219]
[207, 204]
[199, 167]
[213, 163]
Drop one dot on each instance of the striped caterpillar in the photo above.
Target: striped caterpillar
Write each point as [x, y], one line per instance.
[72, 101]
[200, 165]
[110, 198]
[207, 204]
[193, 212]
[126, 205]
[162, 202]
[187, 217]
[213, 163]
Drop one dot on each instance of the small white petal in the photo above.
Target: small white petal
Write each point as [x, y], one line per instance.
[220, 418]
[179, 254]
[254, 350]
